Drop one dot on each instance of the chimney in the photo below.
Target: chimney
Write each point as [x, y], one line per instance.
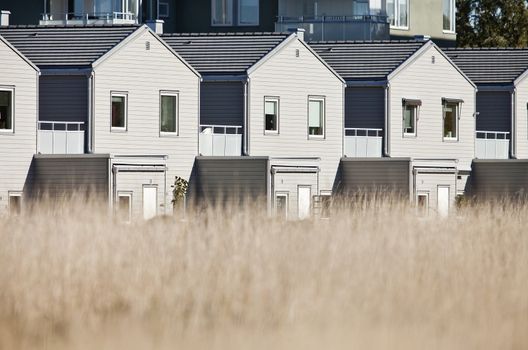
[156, 25]
[422, 37]
[299, 31]
[4, 18]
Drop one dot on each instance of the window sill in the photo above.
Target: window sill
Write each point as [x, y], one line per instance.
[119, 130]
[450, 139]
[409, 136]
[271, 133]
[399, 28]
[316, 137]
[169, 134]
[222, 25]
[449, 32]
[7, 132]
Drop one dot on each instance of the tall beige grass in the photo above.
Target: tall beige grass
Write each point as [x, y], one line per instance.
[373, 277]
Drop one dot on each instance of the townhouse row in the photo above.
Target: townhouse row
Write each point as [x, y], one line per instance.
[121, 112]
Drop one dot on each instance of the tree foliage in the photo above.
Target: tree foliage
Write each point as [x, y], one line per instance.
[488, 23]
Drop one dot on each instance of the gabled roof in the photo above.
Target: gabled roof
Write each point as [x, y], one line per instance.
[366, 60]
[490, 66]
[65, 46]
[224, 53]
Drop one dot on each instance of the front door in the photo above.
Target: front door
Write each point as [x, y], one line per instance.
[304, 203]
[150, 200]
[443, 201]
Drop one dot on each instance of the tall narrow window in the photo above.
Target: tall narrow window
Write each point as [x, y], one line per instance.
[15, 203]
[271, 115]
[169, 113]
[398, 13]
[422, 203]
[222, 12]
[449, 13]
[316, 112]
[248, 12]
[451, 111]
[124, 207]
[409, 120]
[6, 110]
[163, 9]
[119, 111]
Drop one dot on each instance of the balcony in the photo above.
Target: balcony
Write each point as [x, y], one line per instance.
[87, 18]
[492, 145]
[220, 140]
[322, 28]
[363, 143]
[60, 137]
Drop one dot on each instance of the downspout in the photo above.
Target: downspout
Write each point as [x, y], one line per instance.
[245, 142]
[37, 113]
[386, 133]
[91, 79]
[343, 126]
[475, 116]
[513, 124]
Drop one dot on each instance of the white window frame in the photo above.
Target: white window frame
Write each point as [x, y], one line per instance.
[396, 12]
[318, 99]
[283, 194]
[415, 121]
[427, 197]
[177, 122]
[457, 119]
[166, 5]
[451, 30]
[239, 4]
[213, 11]
[129, 195]
[277, 101]
[325, 194]
[12, 194]
[12, 91]
[119, 128]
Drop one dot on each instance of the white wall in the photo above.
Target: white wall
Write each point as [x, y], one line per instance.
[521, 120]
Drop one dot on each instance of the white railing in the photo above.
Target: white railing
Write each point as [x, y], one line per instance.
[492, 144]
[220, 140]
[60, 137]
[88, 18]
[363, 143]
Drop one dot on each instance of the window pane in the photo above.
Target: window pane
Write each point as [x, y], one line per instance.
[222, 11]
[118, 111]
[361, 7]
[447, 15]
[123, 207]
[15, 205]
[409, 118]
[390, 11]
[271, 115]
[168, 113]
[450, 120]
[248, 12]
[402, 12]
[315, 117]
[6, 110]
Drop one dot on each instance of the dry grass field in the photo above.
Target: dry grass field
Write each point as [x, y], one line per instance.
[376, 277]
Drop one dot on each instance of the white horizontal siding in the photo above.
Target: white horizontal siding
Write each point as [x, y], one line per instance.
[143, 74]
[133, 182]
[430, 82]
[521, 120]
[293, 79]
[17, 149]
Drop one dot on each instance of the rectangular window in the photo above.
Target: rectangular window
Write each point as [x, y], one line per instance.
[316, 117]
[163, 9]
[449, 13]
[15, 204]
[281, 204]
[6, 110]
[398, 13]
[124, 207]
[410, 118]
[222, 12]
[119, 111]
[235, 12]
[326, 204]
[169, 113]
[451, 111]
[422, 203]
[248, 12]
[271, 115]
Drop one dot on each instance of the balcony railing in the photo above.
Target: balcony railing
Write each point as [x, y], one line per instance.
[88, 18]
[60, 137]
[220, 140]
[492, 144]
[363, 143]
[320, 28]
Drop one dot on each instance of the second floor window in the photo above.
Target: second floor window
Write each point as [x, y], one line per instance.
[271, 115]
[119, 111]
[316, 117]
[6, 110]
[169, 113]
[449, 13]
[398, 13]
[451, 113]
[235, 12]
[410, 113]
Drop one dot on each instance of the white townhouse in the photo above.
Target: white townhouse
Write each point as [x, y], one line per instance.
[409, 120]
[271, 122]
[119, 114]
[18, 117]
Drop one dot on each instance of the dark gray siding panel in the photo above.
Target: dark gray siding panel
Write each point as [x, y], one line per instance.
[494, 108]
[222, 103]
[499, 179]
[365, 107]
[57, 177]
[376, 175]
[63, 98]
[229, 178]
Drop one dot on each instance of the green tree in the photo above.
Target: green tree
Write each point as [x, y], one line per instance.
[488, 23]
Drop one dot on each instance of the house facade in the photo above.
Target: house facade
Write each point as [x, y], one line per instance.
[408, 107]
[117, 97]
[18, 117]
[270, 101]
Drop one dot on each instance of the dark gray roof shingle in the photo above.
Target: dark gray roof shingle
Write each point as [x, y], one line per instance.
[65, 46]
[490, 66]
[366, 60]
[223, 53]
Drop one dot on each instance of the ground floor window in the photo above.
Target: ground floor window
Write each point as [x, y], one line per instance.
[15, 203]
[281, 204]
[124, 206]
[422, 203]
[326, 202]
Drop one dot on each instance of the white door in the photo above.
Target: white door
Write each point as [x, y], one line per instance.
[443, 201]
[304, 201]
[150, 200]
